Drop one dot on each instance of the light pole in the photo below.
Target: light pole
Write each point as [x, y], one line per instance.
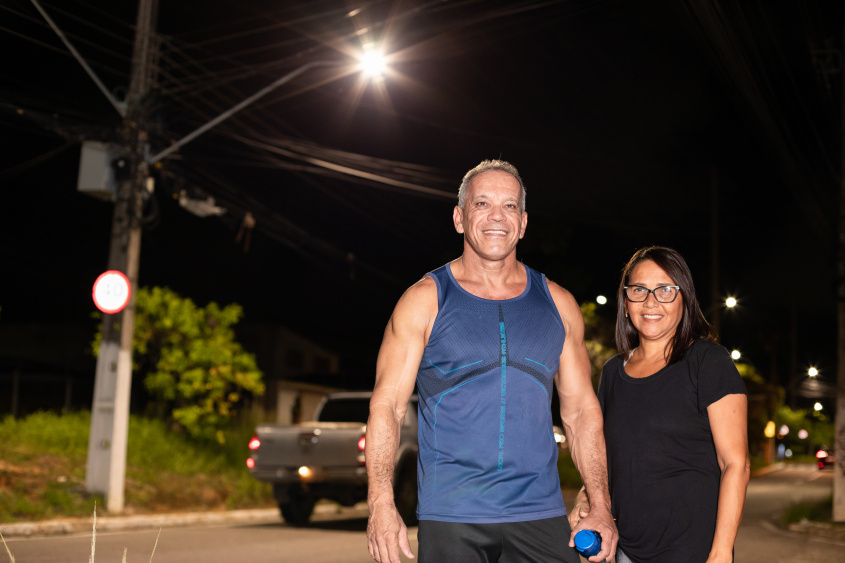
[106, 465]
[106, 462]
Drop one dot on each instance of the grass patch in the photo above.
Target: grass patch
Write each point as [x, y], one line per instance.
[43, 459]
[757, 462]
[803, 458]
[569, 476]
[819, 511]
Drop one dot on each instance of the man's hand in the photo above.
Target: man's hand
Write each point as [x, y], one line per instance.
[386, 534]
[599, 520]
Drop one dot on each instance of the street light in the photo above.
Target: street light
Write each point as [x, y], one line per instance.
[736, 355]
[812, 372]
[817, 407]
[730, 302]
[601, 300]
[373, 63]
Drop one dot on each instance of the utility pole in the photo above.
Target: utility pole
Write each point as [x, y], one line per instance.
[106, 464]
[839, 474]
[716, 316]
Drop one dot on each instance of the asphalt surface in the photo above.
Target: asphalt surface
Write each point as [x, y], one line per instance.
[261, 516]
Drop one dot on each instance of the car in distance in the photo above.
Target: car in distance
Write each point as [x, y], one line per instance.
[324, 458]
[826, 458]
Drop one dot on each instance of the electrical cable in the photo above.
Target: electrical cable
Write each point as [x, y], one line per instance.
[15, 170]
[732, 59]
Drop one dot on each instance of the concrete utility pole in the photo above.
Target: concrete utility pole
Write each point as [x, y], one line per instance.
[839, 473]
[106, 465]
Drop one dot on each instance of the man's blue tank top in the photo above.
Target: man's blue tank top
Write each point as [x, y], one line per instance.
[487, 450]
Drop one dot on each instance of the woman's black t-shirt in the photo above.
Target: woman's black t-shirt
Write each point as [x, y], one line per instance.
[662, 466]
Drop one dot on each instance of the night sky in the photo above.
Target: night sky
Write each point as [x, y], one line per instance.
[625, 119]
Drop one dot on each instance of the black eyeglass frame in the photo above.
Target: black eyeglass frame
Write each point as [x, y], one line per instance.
[651, 291]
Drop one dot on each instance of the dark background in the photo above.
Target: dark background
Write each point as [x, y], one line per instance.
[630, 122]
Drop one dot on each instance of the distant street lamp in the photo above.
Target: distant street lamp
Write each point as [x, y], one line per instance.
[817, 407]
[601, 300]
[373, 63]
[714, 311]
[769, 430]
[736, 355]
[812, 372]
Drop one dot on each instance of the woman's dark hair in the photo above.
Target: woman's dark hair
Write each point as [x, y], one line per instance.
[693, 325]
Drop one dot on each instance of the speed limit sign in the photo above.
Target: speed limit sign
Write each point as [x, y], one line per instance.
[111, 291]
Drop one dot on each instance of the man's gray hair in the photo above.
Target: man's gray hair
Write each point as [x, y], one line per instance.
[488, 166]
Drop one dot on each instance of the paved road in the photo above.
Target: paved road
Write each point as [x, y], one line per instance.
[334, 538]
[760, 541]
[340, 537]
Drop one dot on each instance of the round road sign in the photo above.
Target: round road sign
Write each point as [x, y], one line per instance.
[111, 291]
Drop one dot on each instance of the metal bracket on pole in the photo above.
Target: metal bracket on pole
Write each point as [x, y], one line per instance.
[119, 106]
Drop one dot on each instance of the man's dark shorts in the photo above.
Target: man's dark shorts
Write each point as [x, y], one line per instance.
[536, 541]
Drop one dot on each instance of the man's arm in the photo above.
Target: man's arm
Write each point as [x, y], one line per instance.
[584, 424]
[728, 422]
[396, 372]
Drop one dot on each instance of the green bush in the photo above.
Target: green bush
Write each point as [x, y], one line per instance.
[44, 457]
[758, 462]
[819, 511]
[195, 370]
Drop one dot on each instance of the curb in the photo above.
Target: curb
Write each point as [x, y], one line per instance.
[136, 522]
[816, 530]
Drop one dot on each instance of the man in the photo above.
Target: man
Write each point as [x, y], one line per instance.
[483, 338]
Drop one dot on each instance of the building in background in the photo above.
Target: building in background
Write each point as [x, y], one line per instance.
[297, 371]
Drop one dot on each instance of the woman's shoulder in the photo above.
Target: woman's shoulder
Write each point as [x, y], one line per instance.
[609, 374]
[710, 357]
[703, 348]
[612, 363]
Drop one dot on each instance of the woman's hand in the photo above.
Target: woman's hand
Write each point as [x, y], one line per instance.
[580, 509]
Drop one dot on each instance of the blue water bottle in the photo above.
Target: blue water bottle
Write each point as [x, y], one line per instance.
[587, 542]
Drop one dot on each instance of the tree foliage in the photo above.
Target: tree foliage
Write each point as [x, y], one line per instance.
[819, 429]
[195, 370]
[597, 338]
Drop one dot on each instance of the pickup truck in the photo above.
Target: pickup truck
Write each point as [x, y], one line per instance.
[324, 458]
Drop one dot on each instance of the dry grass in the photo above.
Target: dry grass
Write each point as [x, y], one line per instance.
[93, 543]
[11, 557]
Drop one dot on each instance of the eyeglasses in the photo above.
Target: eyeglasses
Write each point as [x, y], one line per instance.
[663, 294]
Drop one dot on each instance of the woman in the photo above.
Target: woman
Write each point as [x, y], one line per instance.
[675, 419]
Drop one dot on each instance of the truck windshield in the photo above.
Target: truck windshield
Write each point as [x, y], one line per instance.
[345, 410]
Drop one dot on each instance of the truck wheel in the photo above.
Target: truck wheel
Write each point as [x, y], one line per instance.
[405, 493]
[297, 511]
